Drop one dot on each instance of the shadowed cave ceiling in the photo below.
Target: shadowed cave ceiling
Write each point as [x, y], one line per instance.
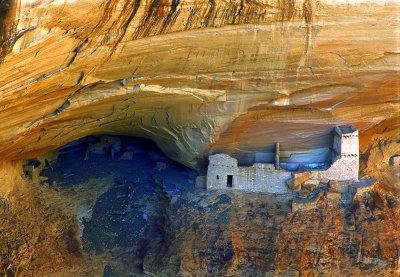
[199, 76]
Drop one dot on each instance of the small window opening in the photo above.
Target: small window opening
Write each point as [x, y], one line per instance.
[229, 181]
[217, 177]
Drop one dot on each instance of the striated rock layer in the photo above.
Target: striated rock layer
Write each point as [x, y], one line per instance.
[199, 76]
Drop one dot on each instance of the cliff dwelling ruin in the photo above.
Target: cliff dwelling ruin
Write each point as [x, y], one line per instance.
[224, 172]
[111, 111]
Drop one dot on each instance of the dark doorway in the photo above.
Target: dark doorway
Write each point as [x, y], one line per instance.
[229, 181]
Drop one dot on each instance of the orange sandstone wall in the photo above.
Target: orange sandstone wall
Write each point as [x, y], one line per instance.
[196, 76]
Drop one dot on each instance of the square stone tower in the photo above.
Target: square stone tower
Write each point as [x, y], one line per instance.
[345, 149]
[345, 140]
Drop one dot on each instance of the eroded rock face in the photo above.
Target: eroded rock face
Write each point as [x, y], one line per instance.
[135, 226]
[254, 235]
[227, 77]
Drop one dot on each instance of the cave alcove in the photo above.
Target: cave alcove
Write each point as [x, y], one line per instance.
[129, 211]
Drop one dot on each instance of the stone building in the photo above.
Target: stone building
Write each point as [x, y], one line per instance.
[224, 172]
[345, 156]
[108, 145]
[32, 170]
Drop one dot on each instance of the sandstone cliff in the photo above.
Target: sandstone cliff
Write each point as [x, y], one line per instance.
[196, 76]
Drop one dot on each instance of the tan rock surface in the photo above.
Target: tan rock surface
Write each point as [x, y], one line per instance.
[201, 76]
[195, 76]
[253, 235]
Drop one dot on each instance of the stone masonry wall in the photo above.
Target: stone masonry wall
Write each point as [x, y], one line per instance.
[263, 178]
[345, 164]
[258, 178]
[342, 169]
[223, 171]
[220, 166]
[350, 145]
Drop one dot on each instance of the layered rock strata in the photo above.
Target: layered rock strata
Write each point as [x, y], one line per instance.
[198, 76]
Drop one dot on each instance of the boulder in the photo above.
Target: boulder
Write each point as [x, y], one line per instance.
[298, 180]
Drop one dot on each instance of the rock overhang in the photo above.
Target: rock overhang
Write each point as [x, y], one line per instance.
[233, 89]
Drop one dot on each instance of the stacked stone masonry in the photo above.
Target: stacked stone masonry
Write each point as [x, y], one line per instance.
[345, 156]
[224, 172]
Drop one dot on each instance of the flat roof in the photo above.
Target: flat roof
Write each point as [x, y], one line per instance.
[344, 130]
[347, 129]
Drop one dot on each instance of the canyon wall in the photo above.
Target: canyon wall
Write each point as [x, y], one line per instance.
[187, 233]
[199, 77]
